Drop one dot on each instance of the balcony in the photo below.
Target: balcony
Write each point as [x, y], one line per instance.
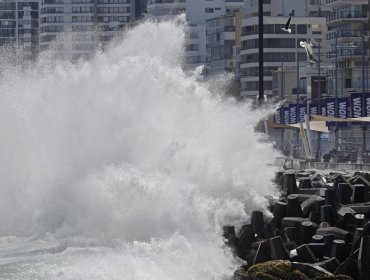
[332, 3]
[346, 16]
[347, 54]
[152, 2]
[346, 34]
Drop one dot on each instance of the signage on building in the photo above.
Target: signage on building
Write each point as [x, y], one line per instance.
[367, 104]
[292, 113]
[343, 104]
[302, 112]
[330, 107]
[277, 116]
[314, 109]
[286, 115]
[323, 110]
[356, 108]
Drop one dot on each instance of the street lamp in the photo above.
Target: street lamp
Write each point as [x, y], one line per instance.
[364, 113]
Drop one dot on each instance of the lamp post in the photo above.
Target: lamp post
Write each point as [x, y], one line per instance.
[297, 99]
[260, 52]
[336, 90]
[319, 83]
[364, 113]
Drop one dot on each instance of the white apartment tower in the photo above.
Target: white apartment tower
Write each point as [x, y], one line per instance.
[19, 27]
[197, 13]
[348, 38]
[86, 23]
[281, 49]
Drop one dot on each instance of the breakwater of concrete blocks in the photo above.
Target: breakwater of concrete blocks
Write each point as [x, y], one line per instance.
[320, 230]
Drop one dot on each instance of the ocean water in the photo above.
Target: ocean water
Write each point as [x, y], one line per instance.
[125, 166]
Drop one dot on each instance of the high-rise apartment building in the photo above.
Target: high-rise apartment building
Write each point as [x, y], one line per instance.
[85, 23]
[197, 13]
[280, 48]
[348, 32]
[19, 27]
[140, 9]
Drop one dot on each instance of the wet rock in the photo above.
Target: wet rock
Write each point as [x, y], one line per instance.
[336, 277]
[294, 206]
[338, 233]
[311, 270]
[278, 249]
[297, 275]
[289, 183]
[344, 193]
[263, 253]
[278, 268]
[264, 276]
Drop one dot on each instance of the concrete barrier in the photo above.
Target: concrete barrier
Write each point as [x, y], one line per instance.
[298, 164]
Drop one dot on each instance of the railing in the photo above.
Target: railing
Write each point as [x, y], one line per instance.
[165, 1]
[345, 15]
[298, 164]
[346, 34]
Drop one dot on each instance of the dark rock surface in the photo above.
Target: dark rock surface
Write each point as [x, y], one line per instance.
[320, 230]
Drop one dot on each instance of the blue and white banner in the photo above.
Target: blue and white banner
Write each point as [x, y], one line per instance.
[356, 108]
[302, 112]
[323, 110]
[286, 117]
[343, 106]
[367, 104]
[314, 109]
[292, 113]
[330, 107]
[277, 116]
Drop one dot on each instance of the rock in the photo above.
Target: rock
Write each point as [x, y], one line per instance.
[311, 270]
[297, 275]
[294, 206]
[279, 269]
[264, 276]
[278, 249]
[263, 253]
[336, 277]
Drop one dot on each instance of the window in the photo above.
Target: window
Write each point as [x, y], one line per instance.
[53, 1]
[52, 19]
[113, 1]
[209, 10]
[83, 47]
[54, 10]
[270, 57]
[82, 19]
[85, 9]
[301, 29]
[47, 29]
[192, 47]
[82, 28]
[110, 10]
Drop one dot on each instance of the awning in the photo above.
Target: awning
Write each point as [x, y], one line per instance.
[319, 126]
[333, 119]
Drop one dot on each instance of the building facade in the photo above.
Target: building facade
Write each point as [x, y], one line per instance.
[197, 13]
[281, 49]
[84, 24]
[223, 47]
[348, 33]
[19, 27]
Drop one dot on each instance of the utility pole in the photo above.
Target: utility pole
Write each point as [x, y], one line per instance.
[319, 82]
[319, 102]
[260, 52]
[336, 90]
[282, 95]
[297, 99]
[364, 113]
